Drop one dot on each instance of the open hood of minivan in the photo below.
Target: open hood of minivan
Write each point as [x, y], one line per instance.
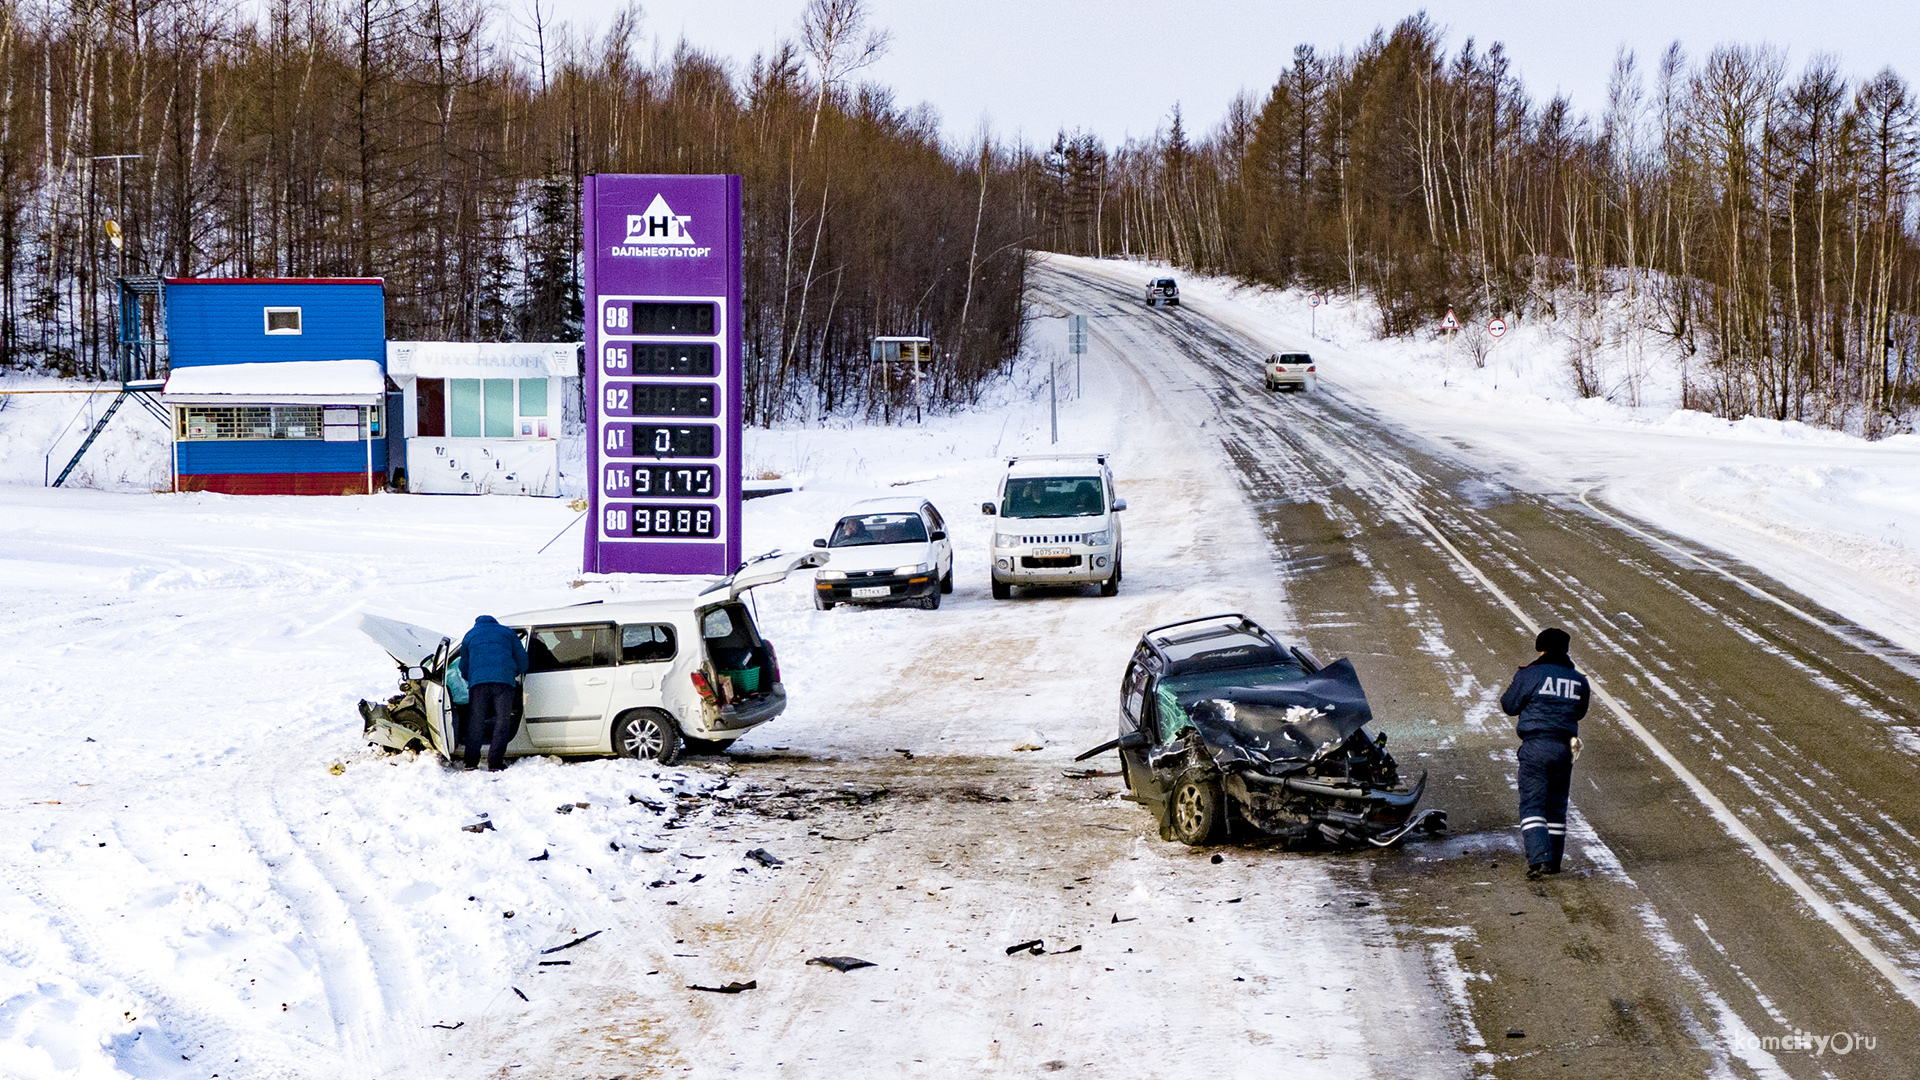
[412, 645]
[762, 570]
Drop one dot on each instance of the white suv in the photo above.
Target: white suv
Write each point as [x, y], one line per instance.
[1059, 524]
[639, 678]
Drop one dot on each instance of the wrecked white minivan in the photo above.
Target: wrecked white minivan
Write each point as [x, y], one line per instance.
[641, 678]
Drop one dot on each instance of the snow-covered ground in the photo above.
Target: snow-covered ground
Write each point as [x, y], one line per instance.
[205, 872]
[1834, 516]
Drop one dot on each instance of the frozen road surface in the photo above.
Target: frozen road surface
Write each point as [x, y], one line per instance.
[204, 872]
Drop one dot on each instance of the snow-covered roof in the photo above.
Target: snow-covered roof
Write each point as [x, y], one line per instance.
[294, 382]
[476, 360]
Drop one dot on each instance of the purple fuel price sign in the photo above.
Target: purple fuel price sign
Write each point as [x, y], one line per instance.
[663, 375]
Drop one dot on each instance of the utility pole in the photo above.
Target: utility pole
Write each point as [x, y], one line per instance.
[115, 229]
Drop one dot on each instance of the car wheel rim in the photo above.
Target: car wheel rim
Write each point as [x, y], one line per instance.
[643, 739]
[1187, 810]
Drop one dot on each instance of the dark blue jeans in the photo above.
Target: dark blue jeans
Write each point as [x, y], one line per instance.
[1546, 771]
[490, 723]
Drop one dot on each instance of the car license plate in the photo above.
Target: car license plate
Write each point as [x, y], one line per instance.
[870, 592]
[1052, 552]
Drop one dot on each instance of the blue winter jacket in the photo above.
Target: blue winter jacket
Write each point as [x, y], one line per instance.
[491, 653]
[1549, 696]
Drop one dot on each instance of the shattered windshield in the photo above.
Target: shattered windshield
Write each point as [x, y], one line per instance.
[1182, 692]
[860, 530]
[1053, 496]
[1289, 721]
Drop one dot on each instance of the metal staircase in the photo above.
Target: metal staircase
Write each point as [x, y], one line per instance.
[145, 392]
[140, 349]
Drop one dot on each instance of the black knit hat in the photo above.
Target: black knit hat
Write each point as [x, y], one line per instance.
[1552, 640]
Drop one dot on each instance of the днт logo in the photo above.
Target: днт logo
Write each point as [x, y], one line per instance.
[660, 232]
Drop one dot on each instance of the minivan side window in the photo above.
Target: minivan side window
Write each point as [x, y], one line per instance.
[648, 644]
[565, 648]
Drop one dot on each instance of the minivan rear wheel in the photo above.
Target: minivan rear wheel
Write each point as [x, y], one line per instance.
[647, 735]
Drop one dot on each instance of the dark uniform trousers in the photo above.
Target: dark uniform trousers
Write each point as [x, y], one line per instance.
[490, 724]
[1546, 771]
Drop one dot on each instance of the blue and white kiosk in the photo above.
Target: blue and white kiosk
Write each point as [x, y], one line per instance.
[276, 385]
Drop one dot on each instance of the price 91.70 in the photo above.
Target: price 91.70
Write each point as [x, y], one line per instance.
[629, 481]
[623, 520]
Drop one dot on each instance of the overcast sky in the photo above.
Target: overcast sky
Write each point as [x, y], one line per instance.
[1116, 67]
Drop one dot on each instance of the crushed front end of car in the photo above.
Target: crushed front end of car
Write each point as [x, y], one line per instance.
[1296, 762]
[415, 718]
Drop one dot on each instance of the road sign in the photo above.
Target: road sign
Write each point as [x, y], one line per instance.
[1497, 328]
[1315, 300]
[1451, 322]
[1076, 334]
[663, 341]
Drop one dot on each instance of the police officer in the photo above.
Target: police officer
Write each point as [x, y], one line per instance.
[1549, 696]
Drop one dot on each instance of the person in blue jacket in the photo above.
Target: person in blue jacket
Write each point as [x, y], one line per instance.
[492, 661]
[1549, 696]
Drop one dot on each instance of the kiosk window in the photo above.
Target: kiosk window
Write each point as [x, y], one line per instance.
[533, 397]
[465, 410]
[499, 408]
[283, 320]
[649, 644]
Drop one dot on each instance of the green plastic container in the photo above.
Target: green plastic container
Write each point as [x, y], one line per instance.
[746, 680]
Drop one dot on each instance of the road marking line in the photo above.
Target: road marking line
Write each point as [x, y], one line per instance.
[1828, 912]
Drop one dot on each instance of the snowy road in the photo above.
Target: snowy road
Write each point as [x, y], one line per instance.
[1680, 949]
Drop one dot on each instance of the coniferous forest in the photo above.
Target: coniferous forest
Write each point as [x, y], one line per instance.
[440, 145]
[1755, 220]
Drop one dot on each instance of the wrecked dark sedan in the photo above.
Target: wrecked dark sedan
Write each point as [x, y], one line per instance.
[1225, 733]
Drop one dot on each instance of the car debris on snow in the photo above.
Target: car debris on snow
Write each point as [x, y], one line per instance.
[1035, 947]
[542, 857]
[478, 827]
[456, 1026]
[729, 988]
[842, 963]
[766, 858]
[576, 941]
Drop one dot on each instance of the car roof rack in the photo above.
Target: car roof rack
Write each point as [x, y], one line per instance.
[1100, 457]
[1248, 625]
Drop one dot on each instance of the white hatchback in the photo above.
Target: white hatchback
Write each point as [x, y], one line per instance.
[641, 678]
[886, 551]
